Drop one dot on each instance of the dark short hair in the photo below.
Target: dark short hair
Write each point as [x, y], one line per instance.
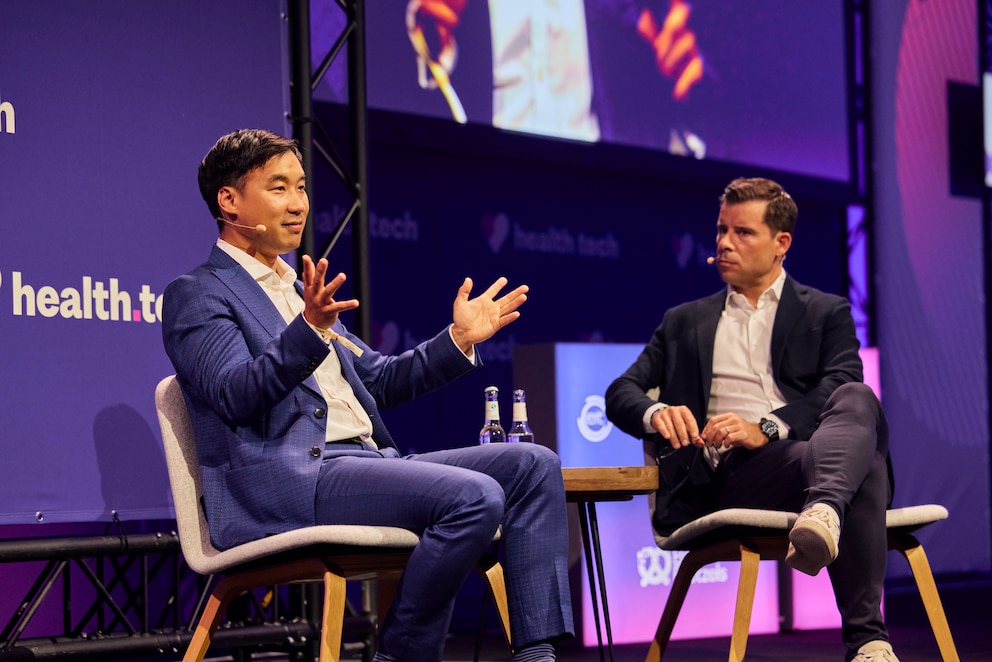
[781, 213]
[234, 156]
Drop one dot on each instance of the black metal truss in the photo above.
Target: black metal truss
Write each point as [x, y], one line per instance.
[142, 600]
[354, 174]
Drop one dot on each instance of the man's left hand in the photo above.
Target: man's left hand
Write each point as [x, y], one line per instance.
[732, 431]
[478, 319]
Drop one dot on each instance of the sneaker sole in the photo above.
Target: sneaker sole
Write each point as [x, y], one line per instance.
[809, 552]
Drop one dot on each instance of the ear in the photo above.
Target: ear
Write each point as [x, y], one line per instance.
[227, 200]
[784, 241]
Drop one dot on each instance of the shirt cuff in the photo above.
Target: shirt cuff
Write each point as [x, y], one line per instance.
[658, 406]
[324, 334]
[329, 336]
[470, 355]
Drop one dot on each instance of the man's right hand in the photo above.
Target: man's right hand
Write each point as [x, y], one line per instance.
[677, 425]
[319, 306]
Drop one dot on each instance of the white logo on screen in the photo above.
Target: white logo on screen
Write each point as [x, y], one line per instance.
[6, 116]
[592, 421]
[93, 299]
[660, 566]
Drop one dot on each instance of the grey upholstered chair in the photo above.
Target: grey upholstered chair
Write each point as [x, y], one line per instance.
[328, 554]
[752, 535]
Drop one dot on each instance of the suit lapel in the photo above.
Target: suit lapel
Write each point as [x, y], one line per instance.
[255, 300]
[790, 311]
[709, 316]
[250, 293]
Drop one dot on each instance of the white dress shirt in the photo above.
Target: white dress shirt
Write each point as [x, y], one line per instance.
[346, 418]
[743, 383]
[742, 371]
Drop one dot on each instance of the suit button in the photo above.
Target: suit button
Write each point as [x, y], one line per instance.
[315, 451]
[319, 412]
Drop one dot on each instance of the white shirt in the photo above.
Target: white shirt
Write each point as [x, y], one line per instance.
[346, 418]
[541, 77]
[742, 371]
[743, 383]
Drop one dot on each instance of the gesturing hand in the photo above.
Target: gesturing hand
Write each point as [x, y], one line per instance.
[319, 306]
[476, 320]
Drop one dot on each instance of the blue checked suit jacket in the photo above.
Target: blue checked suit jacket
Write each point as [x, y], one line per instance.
[257, 412]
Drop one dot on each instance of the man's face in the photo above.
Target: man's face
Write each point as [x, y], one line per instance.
[275, 196]
[747, 251]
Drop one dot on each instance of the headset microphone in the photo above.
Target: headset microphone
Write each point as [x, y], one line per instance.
[256, 228]
[710, 260]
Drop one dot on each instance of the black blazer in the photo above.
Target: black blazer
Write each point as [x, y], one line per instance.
[814, 350]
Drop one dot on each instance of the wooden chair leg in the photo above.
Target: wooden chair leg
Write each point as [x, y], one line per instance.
[692, 562]
[494, 577]
[233, 585]
[745, 603]
[207, 624]
[332, 626]
[910, 547]
[749, 553]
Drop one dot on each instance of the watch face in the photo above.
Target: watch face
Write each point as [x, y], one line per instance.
[770, 429]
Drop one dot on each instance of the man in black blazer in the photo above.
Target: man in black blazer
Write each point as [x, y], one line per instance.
[761, 405]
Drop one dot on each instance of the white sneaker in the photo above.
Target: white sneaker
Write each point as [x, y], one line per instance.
[814, 539]
[876, 651]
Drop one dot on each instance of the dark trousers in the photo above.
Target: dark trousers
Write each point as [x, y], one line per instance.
[456, 499]
[844, 465]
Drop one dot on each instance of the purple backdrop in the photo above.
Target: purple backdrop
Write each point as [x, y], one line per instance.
[108, 109]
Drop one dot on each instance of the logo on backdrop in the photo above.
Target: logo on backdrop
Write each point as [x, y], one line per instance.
[592, 421]
[400, 228]
[687, 250]
[496, 229]
[552, 240]
[6, 116]
[388, 338]
[498, 349]
[659, 567]
[93, 299]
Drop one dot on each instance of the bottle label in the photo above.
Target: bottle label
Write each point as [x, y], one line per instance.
[520, 411]
[492, 411]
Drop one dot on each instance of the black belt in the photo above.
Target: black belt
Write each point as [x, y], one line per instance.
[351, 440]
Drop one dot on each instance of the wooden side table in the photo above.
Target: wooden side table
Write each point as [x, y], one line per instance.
[585, 486]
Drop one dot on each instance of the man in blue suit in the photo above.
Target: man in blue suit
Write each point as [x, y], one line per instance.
[762, 405]
[285, 402]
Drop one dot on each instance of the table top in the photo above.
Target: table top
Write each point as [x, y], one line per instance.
[608, 483]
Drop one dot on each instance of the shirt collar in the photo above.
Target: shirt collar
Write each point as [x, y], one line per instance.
[261, 273]
[772, 294]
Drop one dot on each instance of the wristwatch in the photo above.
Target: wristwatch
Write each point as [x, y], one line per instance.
[769, 429]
